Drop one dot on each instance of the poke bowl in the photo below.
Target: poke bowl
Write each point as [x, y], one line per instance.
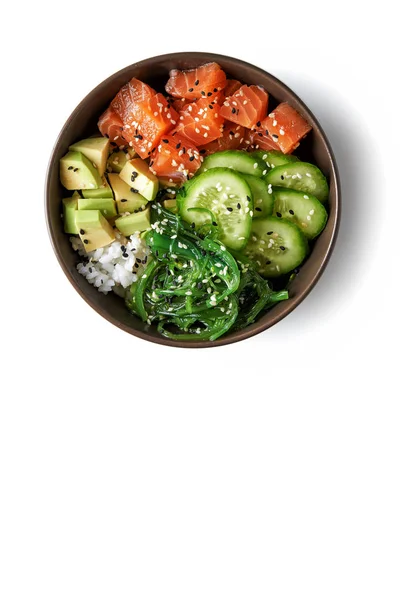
[192, 199]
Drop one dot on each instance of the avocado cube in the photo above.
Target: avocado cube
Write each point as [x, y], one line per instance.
[134, 223]
[95, 149]
[78, 173]
[136, 173]
[105, 205]
[126, 200]
[117, 160]
[170, 205]
[70, 206]
[94, 230]
[104, 191]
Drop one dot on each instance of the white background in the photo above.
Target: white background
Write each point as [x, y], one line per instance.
[267, 469]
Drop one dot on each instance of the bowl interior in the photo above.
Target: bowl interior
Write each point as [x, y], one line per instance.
[83, 122]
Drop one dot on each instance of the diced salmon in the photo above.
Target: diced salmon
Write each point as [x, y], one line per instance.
[232, 86]
[246, 106]
[132, 95]
[192, 84]
[286, 127]
[177, 103]
[258, 140]
[146, 116]
[176, 158]
[111, 126]
[200, 121]
[232, 137]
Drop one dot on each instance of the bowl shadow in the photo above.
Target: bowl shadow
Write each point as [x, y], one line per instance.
[352, 149]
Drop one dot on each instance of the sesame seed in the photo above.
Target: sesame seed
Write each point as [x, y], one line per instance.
[278, 214]
[311, 212]
[196, 82]
[291, 212]
[255, 165]
[308, 218]
[258, 123]
[233, 110]
[155, 114]
[308, 174]
[190, 89]
[305, 196]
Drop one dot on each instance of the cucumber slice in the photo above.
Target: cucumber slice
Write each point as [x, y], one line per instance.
[221, 196]
[274, 158]
[300, 176]
[239, 160]
[302, 209]
[276, 246]
[263, 199]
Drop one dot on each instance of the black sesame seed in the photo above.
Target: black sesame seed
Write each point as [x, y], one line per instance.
[136, 266]
[191, 158]
[210, 106]
[199, 285]
[85, 241]
[165, 141]
[190, 89]
[70, 168]
[248, 198]
[192, 225]
[267, 262]
[238, 205]
[258, 123]
[196, 82]
[75, 170]
[183, 150]
[215, 225]
[134, 191]
[266, 132]
[233, 110]
[270, 232]
[258, 209]
[81, 231]
[138, 136]
[124, 200]
[291, 212]
[101, 281]
[125, 255]
[260, 134]
[90, 270]
[123, 248]
[215, 90]
[229, 208]
[209, 93]
[178, 146]
[231, 133]
[282, 177]
[278, 214]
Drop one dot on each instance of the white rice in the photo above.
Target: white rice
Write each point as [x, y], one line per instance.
[113, 267]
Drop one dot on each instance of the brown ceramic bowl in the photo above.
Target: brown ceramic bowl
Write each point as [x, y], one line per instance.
[82, 122]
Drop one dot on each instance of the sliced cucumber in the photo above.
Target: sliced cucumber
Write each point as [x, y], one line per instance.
[263, 200]
[276, 246]
[239, 160]
[300, 176]
[221, 196]
[274, 158]
[302, 209]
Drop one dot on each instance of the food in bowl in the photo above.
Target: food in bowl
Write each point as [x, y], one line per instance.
[191, 205]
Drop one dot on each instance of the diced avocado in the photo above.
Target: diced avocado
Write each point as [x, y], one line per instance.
[78, 173]
[127, 201]
[117, 160]
[170, 205]
[105, 205]
[104, 191]
[95, 149]
[94, 229]
[132, 223]
[70, 206]
[136, 173]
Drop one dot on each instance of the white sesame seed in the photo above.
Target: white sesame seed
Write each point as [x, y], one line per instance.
[274, 123]
[281, 131]
[244, 102]
[173, 122]
[155, 114]
[189, 293]
[197, 130]
[264, 172]
[206, 135]
[255, 165]
[308, 218]
[305, 196]
[308, 174]
[181, 118]
[311, 212]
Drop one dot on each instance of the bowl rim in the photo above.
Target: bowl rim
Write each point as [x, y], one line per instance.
[257, 327]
